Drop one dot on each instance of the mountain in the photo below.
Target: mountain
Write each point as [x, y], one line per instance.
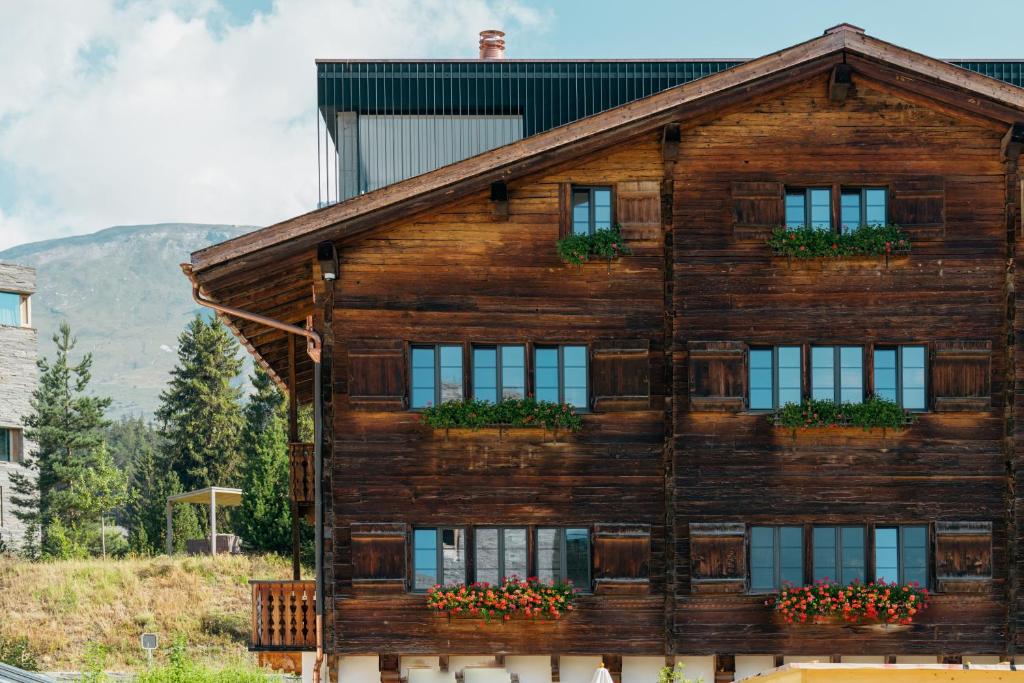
[126, 298]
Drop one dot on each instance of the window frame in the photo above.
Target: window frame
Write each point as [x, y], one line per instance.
[20, 308]
[867, 547]
[7, 436]
[563, 550]
[837, 369]
[898, 348]
[776, 556]
[862, 190]
[439, 555]
[501, 550]
[775, 375]
[806, 190]
[560, 346]
[499, 367]
[436, 347]
[900, 555]
[591, 219]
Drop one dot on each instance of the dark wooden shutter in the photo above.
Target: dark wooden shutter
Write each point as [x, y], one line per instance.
[564, 210]
[376, 374]
[918, 205]
[621, 375]
[963, 556]
[622, 558]
[379, 557]
[718, 377]
[961, 375]
[757, 208]
[638, 211]
[718, 557]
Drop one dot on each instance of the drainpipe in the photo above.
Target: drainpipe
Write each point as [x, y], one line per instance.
[314, 344]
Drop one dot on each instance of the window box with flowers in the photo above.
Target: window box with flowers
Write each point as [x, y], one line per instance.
[604, 244]
[877, 606]
[512, 598]
[873, 413]
[864, 241]
[508, 414]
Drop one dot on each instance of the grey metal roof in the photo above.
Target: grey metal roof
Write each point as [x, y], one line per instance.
[10, 674]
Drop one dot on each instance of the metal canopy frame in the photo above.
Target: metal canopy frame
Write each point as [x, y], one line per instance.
[212, 496]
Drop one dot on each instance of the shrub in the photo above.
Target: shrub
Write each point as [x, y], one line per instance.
[874, 412]
[606, 243]
[512, 412]
[17, 652]
[867, 240]
[233, 626]
[674, 674]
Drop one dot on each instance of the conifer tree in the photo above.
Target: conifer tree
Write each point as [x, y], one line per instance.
[200, 417]
[66, 424]
[265, 519]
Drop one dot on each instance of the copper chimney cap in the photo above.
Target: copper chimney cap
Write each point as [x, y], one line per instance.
[492, 44]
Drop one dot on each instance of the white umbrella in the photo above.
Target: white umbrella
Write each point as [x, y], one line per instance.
[601, 675]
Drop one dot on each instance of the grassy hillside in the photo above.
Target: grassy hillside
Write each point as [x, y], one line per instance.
[64, 606]
[126, 298]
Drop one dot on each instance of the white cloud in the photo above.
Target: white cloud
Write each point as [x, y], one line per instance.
[120, 112]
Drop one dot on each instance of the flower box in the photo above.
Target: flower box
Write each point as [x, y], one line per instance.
[512, 598]
[867, 240]
[876, 607]
[873, 413]
[604, 245]
[512, 413]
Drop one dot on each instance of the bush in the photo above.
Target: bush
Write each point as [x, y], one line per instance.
[233, 626]
[16, 652]
[181, 669]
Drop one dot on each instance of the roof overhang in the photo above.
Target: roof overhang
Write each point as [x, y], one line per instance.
[223, 496]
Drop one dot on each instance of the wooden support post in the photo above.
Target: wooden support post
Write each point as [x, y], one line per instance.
[614, 665]
[293, 437]
[442, 662]
[725, 668]
[556, 675]
[213, 523]
[388, 665]
[170, 528]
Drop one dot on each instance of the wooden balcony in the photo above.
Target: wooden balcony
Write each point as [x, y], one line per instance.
[302, 483]
[283, 616]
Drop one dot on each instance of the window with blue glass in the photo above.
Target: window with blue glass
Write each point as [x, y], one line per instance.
[499, 372]
[6, 445]
[591, 209]
[809, 207]
[776, 557]
[774, 377]
[439, 557]
[838, 553]
[560, 374]
[564, 555]
[901, 554]
[837, 373]
[10, 309]
[436, 374]
[862, 206]
[900, 375]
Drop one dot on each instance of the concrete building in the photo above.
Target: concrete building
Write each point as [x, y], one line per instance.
[18, 348]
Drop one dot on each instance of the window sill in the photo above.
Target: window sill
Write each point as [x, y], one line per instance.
[504, 433]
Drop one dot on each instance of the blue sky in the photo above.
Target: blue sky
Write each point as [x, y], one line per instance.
[121, 112]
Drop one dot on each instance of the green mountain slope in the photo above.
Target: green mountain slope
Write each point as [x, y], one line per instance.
[124, 294]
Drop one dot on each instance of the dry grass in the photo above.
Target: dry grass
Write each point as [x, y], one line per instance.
[62, 607]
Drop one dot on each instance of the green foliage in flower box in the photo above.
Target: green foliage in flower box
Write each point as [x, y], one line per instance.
[606, 243]
[531, 598]
[857, 603]
[874, 412]
[511, 412]
[867, 240]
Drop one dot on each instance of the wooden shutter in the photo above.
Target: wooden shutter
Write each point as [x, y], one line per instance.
[564, 210]
[963, 556]
[961, 375]
[718, 557]
[379, 557]
[757, 208]
[638, 211]
[718, 377]
[621, 375]
[376, 374]
[622, 558]
[918, 205]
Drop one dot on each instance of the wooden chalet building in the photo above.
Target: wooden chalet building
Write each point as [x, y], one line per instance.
[680, 505]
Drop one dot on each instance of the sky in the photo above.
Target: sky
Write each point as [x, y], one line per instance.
[124, 112]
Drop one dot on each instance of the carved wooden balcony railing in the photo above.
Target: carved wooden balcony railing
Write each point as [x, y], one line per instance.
[283, 615]
[302, 474]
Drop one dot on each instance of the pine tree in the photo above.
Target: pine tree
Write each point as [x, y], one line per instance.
[67, 427]
[265, 520]
[199, 416]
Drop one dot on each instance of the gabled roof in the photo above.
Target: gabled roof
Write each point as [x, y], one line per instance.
[980, 94]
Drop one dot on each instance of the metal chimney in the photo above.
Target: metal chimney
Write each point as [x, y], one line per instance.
[492, 44]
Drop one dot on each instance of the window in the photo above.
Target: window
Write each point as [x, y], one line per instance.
[500, 553]
[564, 555]
[591, 209]
[809, 208]
[439, 557]
[776, 557]
[837, 373]
[436, 374]
[901, 554]
[6, 445]
[900, 376]
[560, 375]
[862, 206]
[774, 377]
[838, 553]
[499, 372]
[11, 309]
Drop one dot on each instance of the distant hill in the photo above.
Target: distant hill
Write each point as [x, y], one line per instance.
[126, 299]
